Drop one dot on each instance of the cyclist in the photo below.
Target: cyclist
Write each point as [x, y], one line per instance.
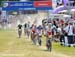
[39, 34]
[19, 30]
[33, 33]
[48, 38]
[25, 26]
[27, 29]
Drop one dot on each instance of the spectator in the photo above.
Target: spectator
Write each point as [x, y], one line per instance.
[70, 33]
[74, 33]
[66, 34]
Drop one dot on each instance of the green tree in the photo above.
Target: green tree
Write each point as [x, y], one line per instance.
[14, 0]
[1, 2]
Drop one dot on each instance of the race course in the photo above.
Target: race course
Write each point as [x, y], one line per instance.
[12, 46]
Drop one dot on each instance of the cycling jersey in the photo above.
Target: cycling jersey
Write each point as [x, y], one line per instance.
[19, 26]
[49, 34]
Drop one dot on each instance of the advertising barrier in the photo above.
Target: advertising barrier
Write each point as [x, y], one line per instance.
[36, 5]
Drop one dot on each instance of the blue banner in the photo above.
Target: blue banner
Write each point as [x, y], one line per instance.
[10, 6]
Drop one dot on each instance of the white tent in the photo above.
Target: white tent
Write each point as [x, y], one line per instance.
[63, 11]
[72, 9]
[67, 16]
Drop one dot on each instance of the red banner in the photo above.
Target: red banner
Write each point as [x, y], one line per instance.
[43, 4]
[42, 0]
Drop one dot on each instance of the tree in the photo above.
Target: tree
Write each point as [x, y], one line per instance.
[14, 0]
[1, 2]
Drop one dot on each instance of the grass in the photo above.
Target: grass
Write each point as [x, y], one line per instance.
[12, 46]
[65, 50]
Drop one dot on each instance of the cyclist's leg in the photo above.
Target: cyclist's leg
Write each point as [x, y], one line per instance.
[47, 44]
[40, 40]
[28, 34]
[19, 33]
[24, 32]
[31, 36]
[50, 47]
[34, 39]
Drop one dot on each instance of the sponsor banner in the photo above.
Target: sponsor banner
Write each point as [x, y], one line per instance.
[40, 5]
[43, 4]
